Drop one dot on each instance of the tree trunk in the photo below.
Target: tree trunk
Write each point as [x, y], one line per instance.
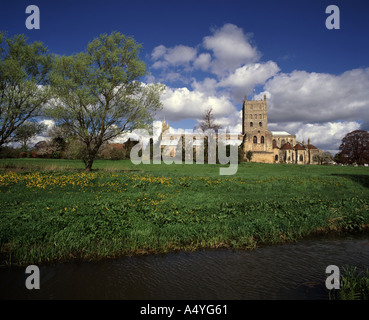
[89, 163]
[92, 155]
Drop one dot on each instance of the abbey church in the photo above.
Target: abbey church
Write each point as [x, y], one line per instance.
[266, 146]
[271, 146]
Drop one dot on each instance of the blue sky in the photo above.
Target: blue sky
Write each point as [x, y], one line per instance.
[213, 53]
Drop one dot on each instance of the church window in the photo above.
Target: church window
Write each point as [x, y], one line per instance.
[301, 158]
[260, 124]
[251, 124]
[255, 140]
[262, 139]
[276, 157]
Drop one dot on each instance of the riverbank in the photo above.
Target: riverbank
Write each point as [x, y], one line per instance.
[66, 213]
[294, 271]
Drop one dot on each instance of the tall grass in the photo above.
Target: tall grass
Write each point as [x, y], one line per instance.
[354, 285]
[49, 215]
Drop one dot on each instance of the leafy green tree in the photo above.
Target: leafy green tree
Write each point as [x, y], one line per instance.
[26, 132]
[24, 71]
[249, 155]
[98, 95]
[355, 147]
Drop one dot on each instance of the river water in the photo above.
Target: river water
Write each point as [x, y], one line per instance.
[284, 272]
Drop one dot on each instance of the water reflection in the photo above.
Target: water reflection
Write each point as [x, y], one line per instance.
[292, 271]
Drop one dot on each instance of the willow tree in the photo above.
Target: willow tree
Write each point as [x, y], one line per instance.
[99, 95]
[24, 79]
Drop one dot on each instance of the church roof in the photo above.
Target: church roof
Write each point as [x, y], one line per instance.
[286, 146]
[299, 147]
[310, 146]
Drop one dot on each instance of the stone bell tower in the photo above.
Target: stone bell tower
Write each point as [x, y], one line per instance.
[254, 115]
[256, 137]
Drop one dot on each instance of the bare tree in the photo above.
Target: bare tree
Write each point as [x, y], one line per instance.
[323, 157]
[208, 121]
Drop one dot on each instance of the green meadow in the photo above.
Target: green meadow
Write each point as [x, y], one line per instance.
[52, 210]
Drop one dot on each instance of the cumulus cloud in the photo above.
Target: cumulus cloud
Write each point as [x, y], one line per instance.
[326, 135]
[228, 48]
[231, 48]
[319, 97]
[158, 52]
[177, 55]
[244, 79]
[208, 86]
[182, 103]
[321, 106]
[203, 61]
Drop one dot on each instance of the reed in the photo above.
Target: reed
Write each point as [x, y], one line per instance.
[354, 285]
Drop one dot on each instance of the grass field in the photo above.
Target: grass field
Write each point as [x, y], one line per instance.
[51, 210]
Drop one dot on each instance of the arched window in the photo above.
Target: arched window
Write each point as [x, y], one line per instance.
[255, 139]
[262, 139]
[260, 124]
[251, 124]
[301, 158]
[276, 157]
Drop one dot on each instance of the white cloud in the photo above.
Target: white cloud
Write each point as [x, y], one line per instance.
[231, 49]
[321, 106]
[180, 54]
[245, 78]
[158, 52]
[48, 123]
[208, 86]
[231, 122]
[319, 97]
[177, 55]
[324, 107]
[203, 61]
[181, 103]
[325, 136]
